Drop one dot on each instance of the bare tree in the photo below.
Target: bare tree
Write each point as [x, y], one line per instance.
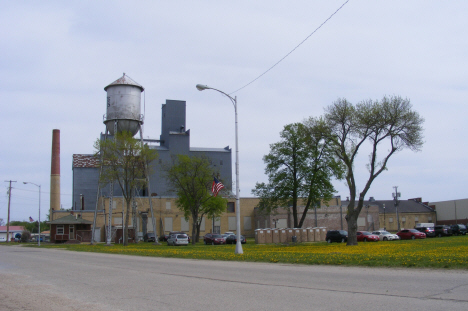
[390, 122]
[123, 163]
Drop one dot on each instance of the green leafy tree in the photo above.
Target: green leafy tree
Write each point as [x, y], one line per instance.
[388, 125]
[30, 226]
[191, 178]
[124, 161]
[299, 170]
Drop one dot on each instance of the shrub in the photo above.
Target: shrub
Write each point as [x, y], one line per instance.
[25, 236]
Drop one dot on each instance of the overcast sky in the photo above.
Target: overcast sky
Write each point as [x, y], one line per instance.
[56, 57]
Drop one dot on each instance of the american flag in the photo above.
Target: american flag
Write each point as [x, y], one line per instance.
[30, 219]
[217, 185]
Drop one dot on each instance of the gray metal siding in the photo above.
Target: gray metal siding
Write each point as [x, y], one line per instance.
[85, 180]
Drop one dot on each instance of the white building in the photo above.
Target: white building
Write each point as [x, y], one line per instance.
[12, 232]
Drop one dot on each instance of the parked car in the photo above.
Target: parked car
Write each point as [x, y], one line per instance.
[178, 239]
[149, 237]
[364, 236]
[407, 234]
[180, 232]
[458, 229]
[429, 231]
[213, 238]
[386, 236]
[336, 236]
[442, 230]
[232, 239]
[164, 237]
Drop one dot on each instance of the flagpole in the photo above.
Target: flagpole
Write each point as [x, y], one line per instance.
[238, 250]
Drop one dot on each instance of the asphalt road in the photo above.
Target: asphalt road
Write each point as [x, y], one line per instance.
[46, 279]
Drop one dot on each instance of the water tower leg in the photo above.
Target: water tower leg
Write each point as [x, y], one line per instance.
[156, 240]
[101, 155]
[111, 198]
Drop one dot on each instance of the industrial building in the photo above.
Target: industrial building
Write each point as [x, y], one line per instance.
[124, 113]
[174, 140]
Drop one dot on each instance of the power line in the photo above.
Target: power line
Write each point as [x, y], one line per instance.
[291, 50]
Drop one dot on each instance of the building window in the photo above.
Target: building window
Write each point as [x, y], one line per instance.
[416, 219]
[202, 226]
[167, 223]
[390, 219]
[232, 224]
[231, 207]
[184, 225]
[168, 205]
[247, 223]
[282, 223]
[60, 229]
[403, 219]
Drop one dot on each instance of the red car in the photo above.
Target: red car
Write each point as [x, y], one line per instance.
[214, 238]
[364, 236]
[407, 234]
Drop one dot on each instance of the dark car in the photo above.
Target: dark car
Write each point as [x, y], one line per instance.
[232, 239]
[213, 238]
[458, 229]
[164, 237]
[364, 236]
[149, 237]
[442, 230]
[337, 236]
[411, 234]
[429, 231]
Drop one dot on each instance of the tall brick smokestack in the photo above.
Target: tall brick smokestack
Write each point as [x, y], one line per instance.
[55, 173]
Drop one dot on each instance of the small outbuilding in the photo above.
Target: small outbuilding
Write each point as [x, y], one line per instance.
[13, 231]
[70, 229]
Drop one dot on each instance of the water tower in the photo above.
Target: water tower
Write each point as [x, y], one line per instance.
[123, 114]
[123, 106]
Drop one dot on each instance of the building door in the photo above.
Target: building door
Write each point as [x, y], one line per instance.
[72, 232]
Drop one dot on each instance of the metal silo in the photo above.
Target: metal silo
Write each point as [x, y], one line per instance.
[123, 105]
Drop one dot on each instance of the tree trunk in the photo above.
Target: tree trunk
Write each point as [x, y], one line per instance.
[127, 216]
[352, 227]
[194, 228]
[198, 230]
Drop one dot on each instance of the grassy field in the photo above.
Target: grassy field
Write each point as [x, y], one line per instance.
[442, 253]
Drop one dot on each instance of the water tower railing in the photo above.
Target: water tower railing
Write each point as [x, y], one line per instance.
[140, 118]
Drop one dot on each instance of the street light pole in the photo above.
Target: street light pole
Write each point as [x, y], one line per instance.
[39, 219]
[396, 195]
[202, 87]
[384, 218]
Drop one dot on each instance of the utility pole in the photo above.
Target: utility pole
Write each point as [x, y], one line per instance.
[8, 220]
[396, 195]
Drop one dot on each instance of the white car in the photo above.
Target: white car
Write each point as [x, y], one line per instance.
[386, 236]
[177, 239]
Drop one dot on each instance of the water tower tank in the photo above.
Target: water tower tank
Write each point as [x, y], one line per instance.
[123, 105]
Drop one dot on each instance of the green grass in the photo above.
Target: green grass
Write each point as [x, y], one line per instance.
[441, 253]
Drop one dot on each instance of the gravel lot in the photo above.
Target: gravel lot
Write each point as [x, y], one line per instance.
[19, 292]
